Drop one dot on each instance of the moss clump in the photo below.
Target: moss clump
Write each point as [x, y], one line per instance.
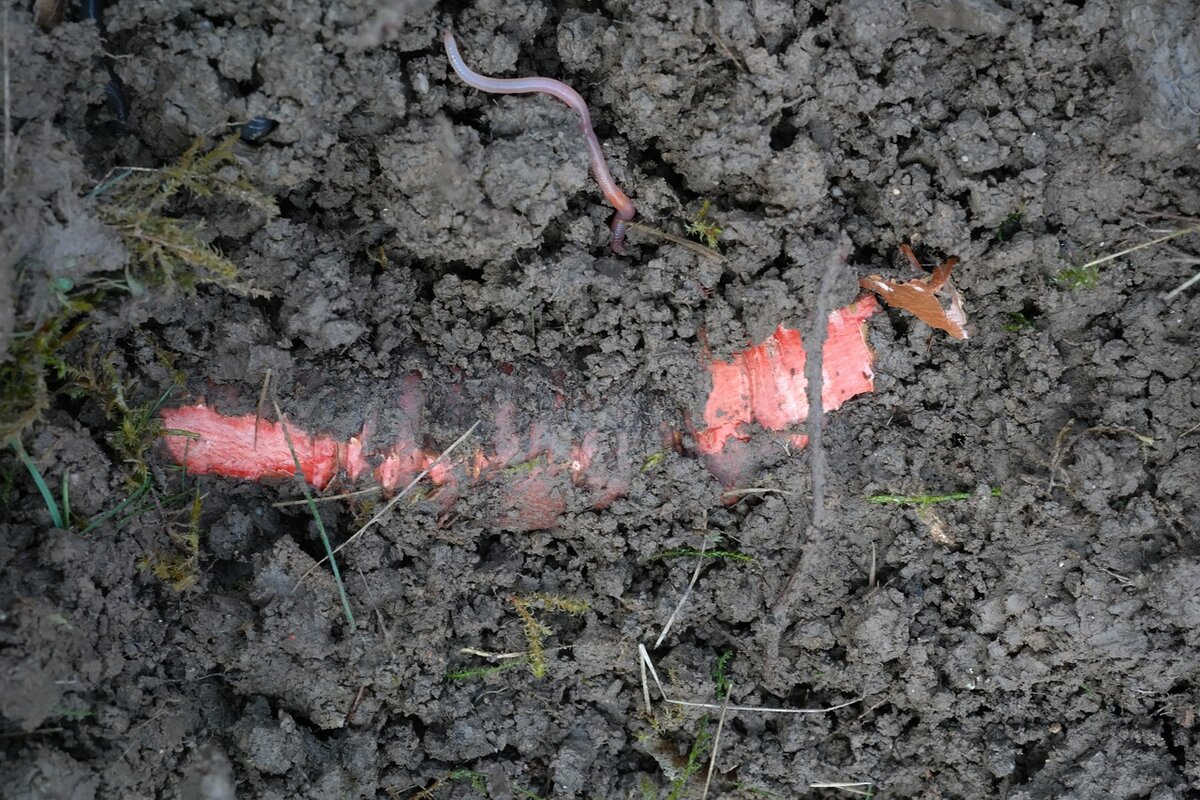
[704, 229]
[1083, 277]
[166, 247]
[179, 567]
[24, 394]
[535, 630]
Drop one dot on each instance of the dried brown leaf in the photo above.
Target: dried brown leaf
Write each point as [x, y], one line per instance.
[919, 296]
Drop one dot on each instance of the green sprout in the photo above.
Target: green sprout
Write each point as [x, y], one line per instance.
[477, 780]
[1010, 226]
[702, 229]
[1083, 277]
[695, 759]
[71, 713]
[652, 461]
[1017, 321]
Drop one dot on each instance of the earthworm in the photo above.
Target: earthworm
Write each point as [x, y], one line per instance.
[114, 90]
[558, 89]
[118, 101]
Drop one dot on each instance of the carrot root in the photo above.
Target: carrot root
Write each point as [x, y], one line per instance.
[762, 386]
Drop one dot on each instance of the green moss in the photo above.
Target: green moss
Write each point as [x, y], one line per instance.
[168, 248]
[535, 630]
[1011, 226]
[923, 500]
[652, 461]
[477, 780]
[704, 230]
[691, 552]
[721, 674]
[1082, 277]
[24, 393]
[483, 672]
[179, 567]
[146, 207]
[1017, 321]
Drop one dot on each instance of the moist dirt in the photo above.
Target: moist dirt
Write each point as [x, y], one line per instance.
[1035, 638]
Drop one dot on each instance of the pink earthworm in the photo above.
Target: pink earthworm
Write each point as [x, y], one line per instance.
[608, 187]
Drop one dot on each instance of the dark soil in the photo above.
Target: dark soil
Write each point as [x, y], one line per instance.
[1043, 643]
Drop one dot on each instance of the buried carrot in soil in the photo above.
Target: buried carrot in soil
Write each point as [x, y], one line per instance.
[546, 453]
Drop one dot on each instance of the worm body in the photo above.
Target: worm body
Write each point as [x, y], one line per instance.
[118, 100]
[114, 90]
[557, 89]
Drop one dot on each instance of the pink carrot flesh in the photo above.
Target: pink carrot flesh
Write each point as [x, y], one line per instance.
[763, 385]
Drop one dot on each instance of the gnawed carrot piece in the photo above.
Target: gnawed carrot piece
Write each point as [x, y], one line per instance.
[539, 466]
[766, 384]
[252, 448]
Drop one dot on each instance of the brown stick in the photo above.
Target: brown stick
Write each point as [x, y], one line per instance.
[814, 351]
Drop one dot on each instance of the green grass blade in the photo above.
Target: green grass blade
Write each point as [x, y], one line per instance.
[312, 508]
[66, 498]
[483, 672]
[104, 187]
[47, 495]
[159, 403]
[137, 493]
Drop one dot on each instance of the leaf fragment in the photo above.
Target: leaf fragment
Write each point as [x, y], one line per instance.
[919, 296]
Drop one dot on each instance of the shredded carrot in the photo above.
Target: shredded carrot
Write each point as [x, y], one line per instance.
[763, 385]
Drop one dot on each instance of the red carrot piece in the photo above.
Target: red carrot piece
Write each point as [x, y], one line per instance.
[763, 385]
[766, 384]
